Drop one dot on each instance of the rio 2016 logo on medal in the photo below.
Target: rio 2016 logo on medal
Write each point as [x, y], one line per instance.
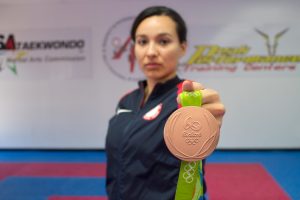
[118, 51]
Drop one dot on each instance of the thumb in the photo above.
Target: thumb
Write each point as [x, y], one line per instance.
[190, 86]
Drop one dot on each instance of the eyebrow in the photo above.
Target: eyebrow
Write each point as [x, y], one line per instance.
[161, 34]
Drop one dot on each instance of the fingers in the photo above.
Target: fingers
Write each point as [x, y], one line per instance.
[211, 102]
[209, 96]
[198, 86]
[187, 86]
[210, 99]
[190, 86]
[217, 110]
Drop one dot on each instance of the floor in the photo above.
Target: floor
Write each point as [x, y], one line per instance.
[80, 174]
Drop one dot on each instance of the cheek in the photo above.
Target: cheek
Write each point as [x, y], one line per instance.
[138, 55]
[172, 57]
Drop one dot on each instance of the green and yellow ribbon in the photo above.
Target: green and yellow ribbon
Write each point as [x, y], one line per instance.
[190, 180]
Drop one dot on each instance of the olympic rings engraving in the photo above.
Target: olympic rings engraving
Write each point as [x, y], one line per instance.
[191, 141]
[189, 171]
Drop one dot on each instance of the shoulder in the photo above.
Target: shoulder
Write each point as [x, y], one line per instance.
[129, 96]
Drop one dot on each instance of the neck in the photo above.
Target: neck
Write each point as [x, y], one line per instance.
[152, 82]
[146, 94]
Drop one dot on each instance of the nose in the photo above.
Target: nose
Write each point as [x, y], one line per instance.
[152, 50]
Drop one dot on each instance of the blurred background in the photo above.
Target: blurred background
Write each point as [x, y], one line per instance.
[63, 69]
[64, 65]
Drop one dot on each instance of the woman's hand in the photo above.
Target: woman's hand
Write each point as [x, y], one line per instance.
[210, 99]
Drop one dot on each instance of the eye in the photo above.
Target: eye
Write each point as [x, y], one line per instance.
[142, 41]
[164, 42]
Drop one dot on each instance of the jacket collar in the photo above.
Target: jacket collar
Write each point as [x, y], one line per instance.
[160, 88]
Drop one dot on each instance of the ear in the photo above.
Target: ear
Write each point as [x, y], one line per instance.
[183, 48]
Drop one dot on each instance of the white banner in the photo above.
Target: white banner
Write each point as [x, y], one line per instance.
[64, 66]
[46, 54]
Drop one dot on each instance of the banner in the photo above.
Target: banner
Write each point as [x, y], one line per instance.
[64, 67]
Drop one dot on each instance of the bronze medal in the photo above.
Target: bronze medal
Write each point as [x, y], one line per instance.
[191, 133]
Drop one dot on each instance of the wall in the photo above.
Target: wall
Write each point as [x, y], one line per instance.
[62, 95]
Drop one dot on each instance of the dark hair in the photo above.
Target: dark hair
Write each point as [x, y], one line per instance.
[161, 11]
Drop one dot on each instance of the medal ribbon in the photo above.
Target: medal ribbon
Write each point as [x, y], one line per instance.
[190, 180]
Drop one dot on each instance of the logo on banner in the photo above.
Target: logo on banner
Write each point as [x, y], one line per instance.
[271, 47]
[215, 58]
[118, 54]
[118, 51]
[16, 53]
[7, 44]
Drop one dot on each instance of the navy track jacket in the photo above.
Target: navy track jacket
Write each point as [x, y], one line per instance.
[139, 165]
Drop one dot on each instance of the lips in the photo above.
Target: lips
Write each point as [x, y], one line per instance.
[152, 65]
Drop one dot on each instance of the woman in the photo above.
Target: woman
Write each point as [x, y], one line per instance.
[139, 165]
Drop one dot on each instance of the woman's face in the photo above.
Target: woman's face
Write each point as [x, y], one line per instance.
[157, 48]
